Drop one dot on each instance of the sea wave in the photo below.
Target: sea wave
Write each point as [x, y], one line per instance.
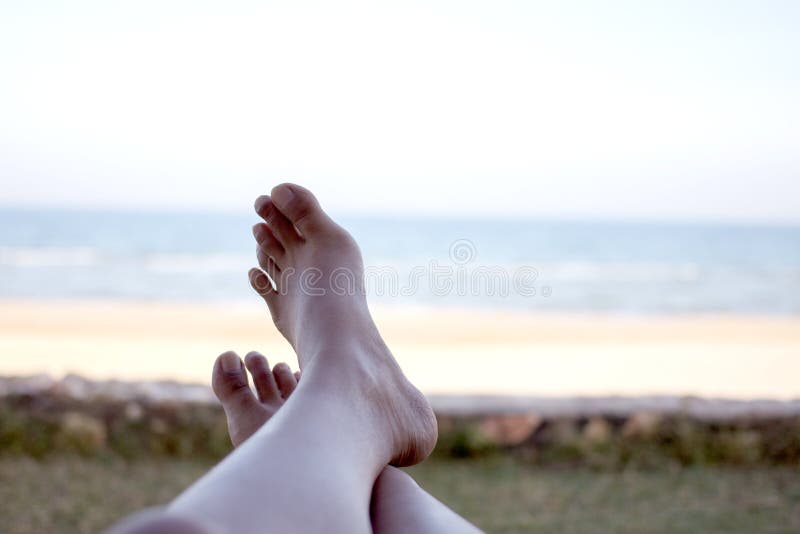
[585, 271]
[173, 262]
[197, 263]
[555, 271]
[23, 257]
[571, 266]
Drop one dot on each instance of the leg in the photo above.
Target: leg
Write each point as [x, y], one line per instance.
[155, 521]
[398, 503]
[353, 412]
[318, 453]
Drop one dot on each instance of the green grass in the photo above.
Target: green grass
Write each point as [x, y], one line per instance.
[75, 494]
[502, 495]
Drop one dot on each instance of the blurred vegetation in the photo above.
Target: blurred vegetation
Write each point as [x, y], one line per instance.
[70, 465]
[44, 424]
[642, 441]
[76, 494]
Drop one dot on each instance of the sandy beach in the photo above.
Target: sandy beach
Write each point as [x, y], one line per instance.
[444, 351]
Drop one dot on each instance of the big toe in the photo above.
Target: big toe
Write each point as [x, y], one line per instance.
[301, 207]
[230, 385]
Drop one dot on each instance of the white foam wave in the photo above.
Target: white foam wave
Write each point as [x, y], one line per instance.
[48, 256]
[198, 263]
[575, 271]
[581, 271]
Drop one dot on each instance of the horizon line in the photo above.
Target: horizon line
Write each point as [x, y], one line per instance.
[677, 220]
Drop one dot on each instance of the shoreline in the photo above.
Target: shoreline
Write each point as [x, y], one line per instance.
[444, 351]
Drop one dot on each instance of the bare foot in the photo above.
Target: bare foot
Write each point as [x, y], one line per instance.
[320, 307]
[246, 413]
[397, 504]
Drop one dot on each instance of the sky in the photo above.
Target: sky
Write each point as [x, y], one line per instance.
[656, 110]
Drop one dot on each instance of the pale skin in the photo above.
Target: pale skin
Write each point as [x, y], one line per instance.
[319, 464]
[398, 503]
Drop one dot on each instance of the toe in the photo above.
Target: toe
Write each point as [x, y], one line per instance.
[266, 387]
[301, 208]
[269, 243]
[261, 284]
[269, 266]
[280, 226]
[229, 382]
[285, 379]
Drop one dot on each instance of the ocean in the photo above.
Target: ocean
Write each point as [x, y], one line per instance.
[621, 268]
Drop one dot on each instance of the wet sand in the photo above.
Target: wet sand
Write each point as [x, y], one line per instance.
[443, 351]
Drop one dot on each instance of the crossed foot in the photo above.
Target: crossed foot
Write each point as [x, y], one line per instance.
[246, 413]
[327, 322]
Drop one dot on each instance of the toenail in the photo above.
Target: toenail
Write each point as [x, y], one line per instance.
[230, 362]
[261, 202]
[252, 354]
[282, 195]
